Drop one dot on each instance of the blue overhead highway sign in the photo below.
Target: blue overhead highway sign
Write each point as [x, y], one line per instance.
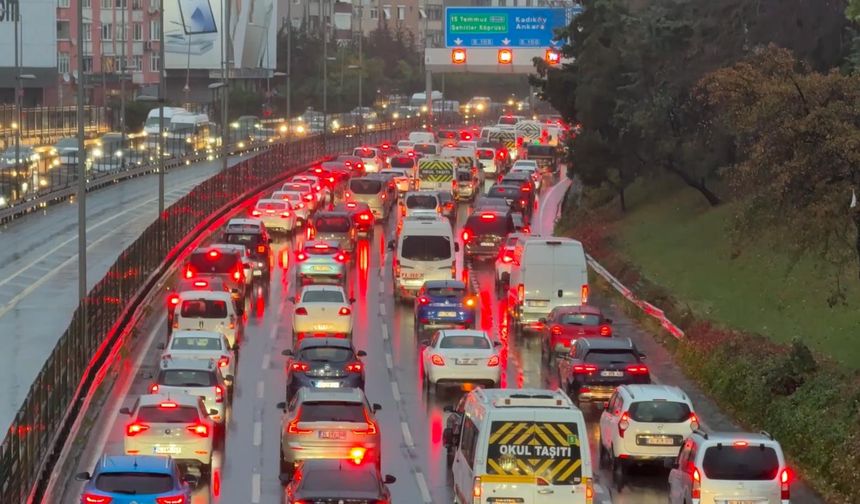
[505, 26]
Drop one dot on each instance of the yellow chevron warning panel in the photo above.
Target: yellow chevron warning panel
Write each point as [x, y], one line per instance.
[436, 170]
[545, 450]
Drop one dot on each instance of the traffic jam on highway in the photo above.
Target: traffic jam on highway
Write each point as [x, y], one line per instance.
[398, 324]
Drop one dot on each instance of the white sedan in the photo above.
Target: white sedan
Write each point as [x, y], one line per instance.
[297, 203]
[528, 166]
[202, 345]
[461, 356]
[322, 311]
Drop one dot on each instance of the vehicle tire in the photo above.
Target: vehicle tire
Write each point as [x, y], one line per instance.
[603, 458]
[286, 468]
[619, 473]
[437, 389]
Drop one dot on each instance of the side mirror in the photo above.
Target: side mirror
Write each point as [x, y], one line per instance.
[447, 436]
[83, 476]
[389, 479]
[213, 412]
[281, 406]
[125, 411]
[361, 353]
[601, 405]
[607, 321]
[542, 320]
[497, 343]
[160, 346]
[392, 244]
[191, 479]
[448, 408]
[605, 404]
[456, 247]
[643, 356]
[351, 300]
[235, 346]
[230, 378]
[287, 352]
[376, 407]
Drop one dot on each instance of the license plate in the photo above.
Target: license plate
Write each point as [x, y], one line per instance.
[321, 327]
[447, 314]
[320, 268]
[660, 441]
[487, 244]
[169, 450]
[258, 273]
[538, 303]
[466, 362]
[735, 501]
[612, 373]
[332, 434]
[412, 276]
[327, 384]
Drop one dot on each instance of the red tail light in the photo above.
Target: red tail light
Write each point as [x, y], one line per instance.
[371, 426]
[309, 197]
[396, 267]
[521, 293]
[173, 300]
[174, 499]
[299, 367]
[135, 428]
[694, 421]
[470, 302]
[423, 300]
[285, 214]
[224, 362]
[355, 367]
[219, 394]
[584, 368]
[584, 293]
[696, 490]
[493, 361]
[500, 154]
[637, 369]
[488, 216]
[340, 257]
[556, 330]
[467, 235]
[189, 272]
[623, 424]
[261, 249]
[301, 256]
[526, 188]
[344, 310]
[201, 283]
[167, 405]
[89, 498]
[200, 429]
[523, 202]
[364, 217]
[785, 484]
[437, 360]
[237, 275]
[293, 426]
[256, 213]
[153, 389]
[605, 330]
[301, 310]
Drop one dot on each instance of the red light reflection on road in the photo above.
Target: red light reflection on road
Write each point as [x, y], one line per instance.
[362, 261]
[436, 429]
[216, 482]
[486, 312]
[260, 308]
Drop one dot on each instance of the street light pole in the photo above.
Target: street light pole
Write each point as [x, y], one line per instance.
[360, 67]
[225, 88]
[324, 24]
[17, 90]
[82, 173]
[289, 65]
[122, 82]
[161, 78]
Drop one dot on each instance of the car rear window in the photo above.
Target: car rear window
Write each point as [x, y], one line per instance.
[187, 378]
[332, 411]
[486, 154]
[326, 354]
[322, 296]
[425, 148]
[426, 202]
[462, 341]
[579, 319]
[540, 150]
[191, 343]
[204, 262]
[508, 192]
[464, 176]
[348, 481]
[157, 414]
[203, 308]
[319, 250]
[242, 238]
[446, 291]
[365, 186]
[611, 357]
[365, 153]
[134, 483]
[507, 120]
[659, 411]
[402, 162]
[741, 463]
[271, 205]
[426, 248]
[497, 225]
[332, 224]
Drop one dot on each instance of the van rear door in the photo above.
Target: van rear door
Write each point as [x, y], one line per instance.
[554, 274]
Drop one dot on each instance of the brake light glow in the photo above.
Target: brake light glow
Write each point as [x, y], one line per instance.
[357, 454]
[189, 272]
[521, 292]
[173, 300]
[371, 426]
[219, 394]
[605, 330]
[623, 424]
[293, 426]
[340, 257]
[301, 256]
[470, 302]
[364, 217]
[224, 362]
[153, 389]
[300, 367]
[556, 330]
[694, 421]
[199, 283]
[740, 444]
[309, 197]
[200, 429]
[344, 310]
[467, 235]
[423, 300]
[488, 217]
[437, 360]
[493, 361]
[584, 368]
[584, 293]
[256, 213]
[696, 490]
[785, 484]
[355, 367]
[173, 499]
[237, 275]
[301, 310]
[89, 498]
[637, 369]
[135, 428]
[285, 214]
[167, 405]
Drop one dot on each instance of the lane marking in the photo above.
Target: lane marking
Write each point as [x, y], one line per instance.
[422, 487]
[389, 362]
[260, 387]
[385, 332]
[255, 488]
[267, 360]
[381, 286]
[407, 436]
[382, 309]
[258, 433]
[395, 391]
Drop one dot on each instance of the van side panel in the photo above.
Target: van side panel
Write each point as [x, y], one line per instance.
[551, 275]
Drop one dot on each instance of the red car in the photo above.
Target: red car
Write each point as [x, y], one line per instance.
[566, 323]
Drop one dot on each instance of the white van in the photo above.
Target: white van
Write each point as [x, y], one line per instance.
[546, 273]
[422, 137]
[521, 445]
[207, 311]
[189, 133]
[152, 124]
[425, 250]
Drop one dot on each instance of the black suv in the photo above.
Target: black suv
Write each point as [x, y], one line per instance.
[323, 362]
[253, 235]
[210, 262]
[485, 231]
[595, 366]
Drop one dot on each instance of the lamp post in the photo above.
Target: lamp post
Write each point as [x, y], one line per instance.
[82, 172]
[324, 24]
[122, 80]
[283, 74]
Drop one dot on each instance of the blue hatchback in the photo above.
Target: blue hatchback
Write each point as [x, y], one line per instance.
[141, 479]
[444, 304]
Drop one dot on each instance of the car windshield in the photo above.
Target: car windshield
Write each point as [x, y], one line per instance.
[426, 248]
[192, 343]
[332, 224]
[611, 357]
[214, 262]
[489, 224]
[159, 414]
[134, 483]
[332, 411]
[187, 378]
[326, 354]
[741, 463]
[365, 186]
[659, 411]
[426, 202]
[579, 319]
[322, 296]
[349, 480]
[446, 291]
[204, 308]
[463, 341]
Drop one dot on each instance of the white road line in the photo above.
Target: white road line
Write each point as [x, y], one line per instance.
[382, 309]
[389, 362]
[260, 388]
[258, 433]
[395, 391]
[255, 488]
[381, 286]
[267, 360]
[385, 332]
[407, 436]
[422, 487]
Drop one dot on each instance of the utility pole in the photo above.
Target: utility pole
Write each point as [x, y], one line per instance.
[428, 77]
[360, 66]
[82, 173]
[324, 25]
[18, 124]
[225, 89]
[122, 82]
[289, 65]
[161, 95]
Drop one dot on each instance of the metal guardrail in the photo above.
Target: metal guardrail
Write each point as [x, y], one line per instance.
[76, 365]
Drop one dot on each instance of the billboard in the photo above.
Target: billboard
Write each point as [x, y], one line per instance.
[194, 36]
[37, 33]
[503, 26]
